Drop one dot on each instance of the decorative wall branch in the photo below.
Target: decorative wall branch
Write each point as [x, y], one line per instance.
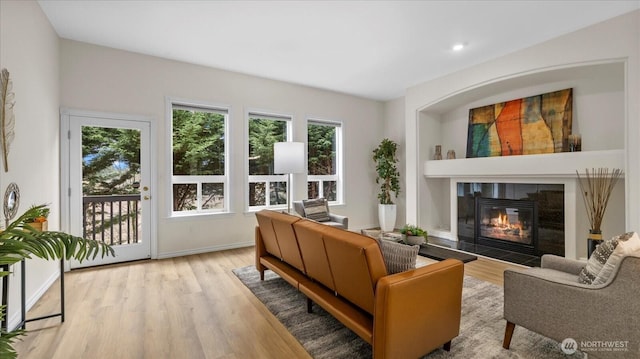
[7, 119]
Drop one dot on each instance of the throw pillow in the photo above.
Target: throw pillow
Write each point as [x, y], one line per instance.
[628, 244]
[597, 260]
[316, 209]
[398, 257]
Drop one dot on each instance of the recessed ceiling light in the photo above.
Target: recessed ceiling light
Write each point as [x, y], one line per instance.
[458, 47]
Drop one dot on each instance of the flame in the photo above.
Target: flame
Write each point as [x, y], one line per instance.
[502, 221]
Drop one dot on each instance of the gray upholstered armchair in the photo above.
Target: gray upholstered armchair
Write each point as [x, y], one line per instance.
[550, 301]
[334, 219]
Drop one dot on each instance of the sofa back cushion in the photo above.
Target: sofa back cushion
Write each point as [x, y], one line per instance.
[311, 245]
[279, 238]
[348, 263]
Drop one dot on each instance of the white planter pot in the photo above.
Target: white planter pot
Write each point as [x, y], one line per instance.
[387, 217]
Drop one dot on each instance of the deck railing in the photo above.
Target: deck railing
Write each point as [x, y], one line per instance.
[113, 219]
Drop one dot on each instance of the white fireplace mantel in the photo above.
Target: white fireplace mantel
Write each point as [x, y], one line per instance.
[557, 168]
[539, 166]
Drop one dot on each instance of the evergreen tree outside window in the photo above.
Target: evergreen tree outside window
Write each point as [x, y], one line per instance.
[266, 189]
[324, 156]
[199, 160]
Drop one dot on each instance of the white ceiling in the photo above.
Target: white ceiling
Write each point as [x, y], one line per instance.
[373, 49]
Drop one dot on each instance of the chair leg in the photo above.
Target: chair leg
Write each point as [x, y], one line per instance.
[508, 333]
[262, 275]
[309, 306]
[447, 346]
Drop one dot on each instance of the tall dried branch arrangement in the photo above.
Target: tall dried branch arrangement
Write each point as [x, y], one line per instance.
[596, 187]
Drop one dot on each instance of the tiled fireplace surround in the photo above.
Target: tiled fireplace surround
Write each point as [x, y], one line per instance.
[558, 170]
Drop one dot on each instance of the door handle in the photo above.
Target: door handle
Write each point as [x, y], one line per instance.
[146, 198]
[145, 188]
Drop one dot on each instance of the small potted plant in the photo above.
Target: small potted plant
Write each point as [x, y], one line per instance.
[37, 218]
[413, 234]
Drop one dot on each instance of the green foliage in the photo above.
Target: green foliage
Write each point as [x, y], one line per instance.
[263, 133]
[37, 213]
[198, 150]
[111, 160]
[198, 143]
[411, 230]
[20, 241]
[387, 172]
[322, 149]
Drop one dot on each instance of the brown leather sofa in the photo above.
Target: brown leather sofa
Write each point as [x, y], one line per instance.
[404, 315]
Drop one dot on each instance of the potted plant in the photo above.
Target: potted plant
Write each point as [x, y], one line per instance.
[20, 240]
[596, 189]
[413, 234]
[389, 179]
[37, 217]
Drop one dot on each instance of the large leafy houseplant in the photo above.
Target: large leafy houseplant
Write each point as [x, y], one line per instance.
[21, 241]
[387, 172]
[389, 179]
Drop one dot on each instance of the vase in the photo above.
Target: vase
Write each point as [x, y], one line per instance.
[413, 240]
[387, 217]
[593, 240]
[438, 155]
[40, 226]
[451, 155]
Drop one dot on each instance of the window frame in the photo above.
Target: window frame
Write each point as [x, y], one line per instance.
[199, 180]
[339, 176]
[267, 179]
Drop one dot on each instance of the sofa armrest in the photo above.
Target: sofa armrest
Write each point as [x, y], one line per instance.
[563, 264]
[418, 310]
[344, 220]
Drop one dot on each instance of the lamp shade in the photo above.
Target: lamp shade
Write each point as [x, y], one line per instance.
[288, 157]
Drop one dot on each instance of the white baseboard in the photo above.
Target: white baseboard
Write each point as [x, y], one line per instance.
[205, 250]
[14, 321]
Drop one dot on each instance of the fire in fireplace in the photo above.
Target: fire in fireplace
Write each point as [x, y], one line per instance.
[506, 223]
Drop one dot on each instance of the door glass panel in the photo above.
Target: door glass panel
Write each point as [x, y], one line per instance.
[110, 184]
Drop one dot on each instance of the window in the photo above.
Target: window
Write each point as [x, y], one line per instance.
[324, 156]
[266, 189]
[199, 159]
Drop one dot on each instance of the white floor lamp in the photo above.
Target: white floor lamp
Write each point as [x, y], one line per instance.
[288, 158]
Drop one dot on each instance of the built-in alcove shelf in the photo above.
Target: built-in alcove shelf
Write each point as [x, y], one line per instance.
[544, 165]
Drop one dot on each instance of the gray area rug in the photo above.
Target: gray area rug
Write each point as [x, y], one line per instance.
[481, 327]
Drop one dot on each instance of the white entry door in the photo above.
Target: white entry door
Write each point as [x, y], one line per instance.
[110, 185]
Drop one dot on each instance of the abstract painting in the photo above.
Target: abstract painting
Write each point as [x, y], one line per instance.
[530, 125]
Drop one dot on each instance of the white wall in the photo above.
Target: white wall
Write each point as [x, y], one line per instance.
[103, 79]
[394, 130]
[617, 39]
[29, 50]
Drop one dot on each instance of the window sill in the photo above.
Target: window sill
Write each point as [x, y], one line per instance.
[200, 216]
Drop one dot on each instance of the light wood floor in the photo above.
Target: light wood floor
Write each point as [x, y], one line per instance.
[186, 307]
